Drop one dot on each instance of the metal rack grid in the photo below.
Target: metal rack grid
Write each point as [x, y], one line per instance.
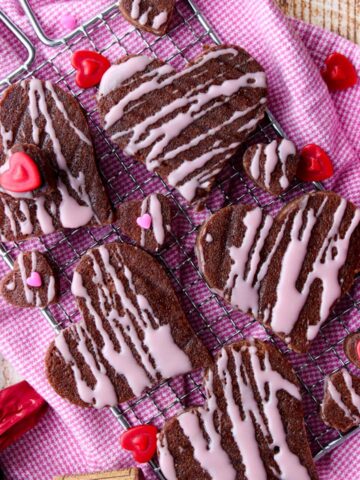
[214, 321]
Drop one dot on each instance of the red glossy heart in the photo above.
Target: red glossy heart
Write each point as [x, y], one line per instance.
[358, 349]
[141, 441]
[339, 73]
[315, 164]
[23, 174]
[90, 67]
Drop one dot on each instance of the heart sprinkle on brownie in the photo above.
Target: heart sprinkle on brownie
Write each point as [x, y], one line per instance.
[147, 222]
[287, 272]
[184, 125]
[251, 426]
[340, 408]
[134, 333]
[32, 282]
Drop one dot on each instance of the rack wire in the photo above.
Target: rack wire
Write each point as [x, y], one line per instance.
[214, 321]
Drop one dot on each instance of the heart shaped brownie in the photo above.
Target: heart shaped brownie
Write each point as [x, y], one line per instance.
[251, 426]
[71, 195]
[272, 166]
[133, 335]
[340, 408]
[150, 15]
[32, 282]
[288, 272]
[184, 125]
[148, 221]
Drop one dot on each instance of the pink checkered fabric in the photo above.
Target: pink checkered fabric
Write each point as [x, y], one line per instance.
[69, 439]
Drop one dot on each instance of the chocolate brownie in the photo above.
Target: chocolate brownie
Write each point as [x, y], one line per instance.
[133, 335]
[148, 221]
[288, 272]
[32, 283]
[340, 408]
[184, 125]
[251, 427]
[272, 166]
[150, 15]
[352, 348]
[39, 113]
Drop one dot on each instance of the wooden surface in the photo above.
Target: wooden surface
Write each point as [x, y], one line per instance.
[339, 16]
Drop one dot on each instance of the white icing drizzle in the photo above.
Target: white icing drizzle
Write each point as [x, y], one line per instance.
[331, 257]
[242, 428]
[10, 286]
[157, 137]
[157, 224]
[243, 290]
[26, 226]
[60, 106]
[6, 137]
[208, 238]
[103, 387]
[29, 293]
[247, 273]
[211, 456]
[336, 396]
[142, 212]
[116, 76]
[142, 16]
[135, 9]
[159, 20]
[51, 289]
[355, 398]
[275, 152]
[271, 160]
[166, 460]
[44, 218]
[10, 215]
[188, 167]
[157, 344]
[143, 20]
[152, 206]
[286, 148]
[255, 163]
[208, 450]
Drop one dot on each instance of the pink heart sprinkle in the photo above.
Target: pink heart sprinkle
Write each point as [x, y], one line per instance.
[34, 280]
[144, 221]
[68, 21]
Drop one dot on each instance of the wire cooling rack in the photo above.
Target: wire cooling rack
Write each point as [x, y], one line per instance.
[215, 322]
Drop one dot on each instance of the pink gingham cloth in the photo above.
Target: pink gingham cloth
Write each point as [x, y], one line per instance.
[70, 439]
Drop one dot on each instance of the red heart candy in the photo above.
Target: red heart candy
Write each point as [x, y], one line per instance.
[90, 67]
[315, 164]
[141, 441]
[23, 174]
[339, 73]
[358, 349]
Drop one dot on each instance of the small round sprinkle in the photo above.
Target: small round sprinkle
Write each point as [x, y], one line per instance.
[68, 21]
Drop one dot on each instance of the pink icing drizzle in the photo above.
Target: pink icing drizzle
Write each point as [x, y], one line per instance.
[209, 452]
